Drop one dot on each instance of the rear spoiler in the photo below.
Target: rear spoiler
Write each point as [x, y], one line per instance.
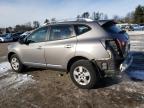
[106, 22]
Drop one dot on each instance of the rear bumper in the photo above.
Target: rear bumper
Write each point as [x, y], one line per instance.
[126, 63]
[114, 66]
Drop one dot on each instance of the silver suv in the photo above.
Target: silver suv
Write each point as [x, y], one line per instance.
[89, 50]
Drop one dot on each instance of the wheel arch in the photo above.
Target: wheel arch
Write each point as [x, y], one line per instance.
[10, 54]
[94, 63]
[74, 59]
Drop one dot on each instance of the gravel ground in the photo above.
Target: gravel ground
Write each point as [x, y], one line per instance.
[52, 89]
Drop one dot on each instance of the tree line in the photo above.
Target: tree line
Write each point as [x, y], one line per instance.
[136, 16]
[21, 28]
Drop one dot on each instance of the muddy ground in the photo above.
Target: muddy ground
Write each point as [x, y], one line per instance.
[52, 89]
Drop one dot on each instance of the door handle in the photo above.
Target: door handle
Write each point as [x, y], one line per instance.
[39, 47]
[68, 46]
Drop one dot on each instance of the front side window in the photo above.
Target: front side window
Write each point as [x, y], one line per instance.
[60, 32]
[38, 36]
[80, 29]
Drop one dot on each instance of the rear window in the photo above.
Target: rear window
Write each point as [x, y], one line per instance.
[111, 27]
[81, 29]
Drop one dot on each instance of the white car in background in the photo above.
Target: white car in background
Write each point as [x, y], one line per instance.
[1, 38]
[6, 38]
[137, 27]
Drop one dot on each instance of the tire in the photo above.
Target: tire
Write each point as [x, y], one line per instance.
[16, 64]
[84, 75]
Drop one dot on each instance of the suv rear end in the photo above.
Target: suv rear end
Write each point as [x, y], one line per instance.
[104, 44]
[102, 49]
[118, 46]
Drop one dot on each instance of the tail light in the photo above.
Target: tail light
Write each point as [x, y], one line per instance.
[121, 43]
[118, 46]
[113, 46]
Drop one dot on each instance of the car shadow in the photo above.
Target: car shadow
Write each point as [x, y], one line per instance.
[108, 81]
[30, 69]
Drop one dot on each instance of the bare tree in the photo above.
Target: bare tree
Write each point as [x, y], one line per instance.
[105, 17]
[36, 24]
[46, 21]
[116, 17]
[53, 20]
[97, 16]
[85, 15]
[78, 16]
[129, 17]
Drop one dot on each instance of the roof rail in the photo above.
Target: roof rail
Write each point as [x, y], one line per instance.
[73, 19]
[85, 19]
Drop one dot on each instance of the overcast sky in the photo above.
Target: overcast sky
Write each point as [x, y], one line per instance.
[14, 12]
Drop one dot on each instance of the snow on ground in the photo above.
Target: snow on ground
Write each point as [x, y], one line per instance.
[12, 79]
[137, 42]
[16, 80]
[135, 32]
[4, 66]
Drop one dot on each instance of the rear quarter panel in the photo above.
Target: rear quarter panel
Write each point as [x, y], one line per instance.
[90, 45]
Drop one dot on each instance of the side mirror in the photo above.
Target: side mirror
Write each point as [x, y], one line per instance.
[21, 41]
[27, 42]
[24, 41]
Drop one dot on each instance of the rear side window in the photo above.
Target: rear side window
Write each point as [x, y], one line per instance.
[81, 29]
[60, 32]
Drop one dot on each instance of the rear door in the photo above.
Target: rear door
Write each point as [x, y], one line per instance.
[61, 46]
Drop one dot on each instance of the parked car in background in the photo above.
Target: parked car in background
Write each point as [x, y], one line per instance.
[2, 38]
[142, 25]
[131, 27]
[124, 26]
[136, 27]
[89, 50]
[16, 36]
[6, 37]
